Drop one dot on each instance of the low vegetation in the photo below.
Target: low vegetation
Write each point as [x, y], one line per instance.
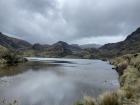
[128, 67]
[10, 57]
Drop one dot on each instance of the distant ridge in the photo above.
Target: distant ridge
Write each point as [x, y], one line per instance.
[85, 46]
[62, 49]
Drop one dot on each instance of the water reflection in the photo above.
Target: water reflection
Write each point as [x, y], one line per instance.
[11, 70]
[56, 82]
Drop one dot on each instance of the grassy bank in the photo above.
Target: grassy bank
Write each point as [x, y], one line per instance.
[128, 67]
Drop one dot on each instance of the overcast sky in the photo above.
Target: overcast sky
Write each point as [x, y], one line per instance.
[73, 21]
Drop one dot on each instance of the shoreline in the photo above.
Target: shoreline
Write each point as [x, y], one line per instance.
[128, 69]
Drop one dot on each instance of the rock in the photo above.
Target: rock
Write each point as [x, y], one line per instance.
[121, 67]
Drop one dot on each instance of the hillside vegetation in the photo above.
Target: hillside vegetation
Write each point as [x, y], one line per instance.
[9, 57]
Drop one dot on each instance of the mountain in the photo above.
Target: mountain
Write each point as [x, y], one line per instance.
[85, 46]
[13, 43]
[40, 47]
[130, 45]
[59, 49]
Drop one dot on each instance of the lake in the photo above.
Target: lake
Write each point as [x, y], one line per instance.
[54, 81]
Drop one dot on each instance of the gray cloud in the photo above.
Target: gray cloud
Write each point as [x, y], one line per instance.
[103, 17]
[47, 21]
[36, 6]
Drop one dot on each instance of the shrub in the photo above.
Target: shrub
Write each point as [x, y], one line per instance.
[13, 58]
[3, 51]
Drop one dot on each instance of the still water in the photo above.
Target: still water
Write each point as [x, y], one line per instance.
[53, 81]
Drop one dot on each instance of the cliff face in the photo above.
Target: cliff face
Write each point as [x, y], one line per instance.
[13, 43]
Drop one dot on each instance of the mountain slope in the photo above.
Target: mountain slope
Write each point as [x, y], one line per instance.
[40, 47]
[13, 43]
[130, 45]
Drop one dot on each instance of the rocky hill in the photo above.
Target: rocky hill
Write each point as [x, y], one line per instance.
[61, 49]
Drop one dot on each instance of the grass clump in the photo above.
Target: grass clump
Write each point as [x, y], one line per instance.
[87, 101]
[109, 99]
